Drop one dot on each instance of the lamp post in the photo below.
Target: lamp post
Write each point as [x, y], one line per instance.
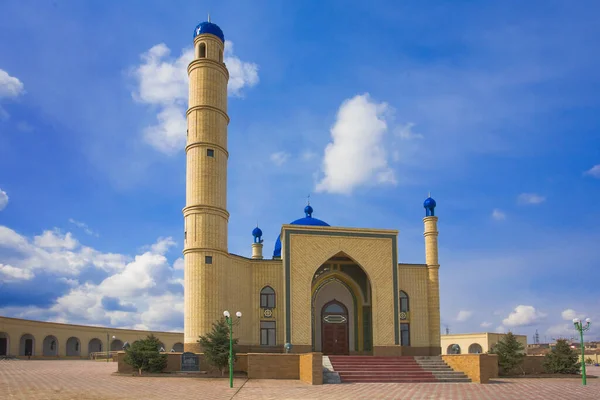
[229, 321]
[108, 346]
[581, 328]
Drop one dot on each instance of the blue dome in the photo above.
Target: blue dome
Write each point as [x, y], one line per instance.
[306, 221]
[429, 203]
[209, 27]
[256, 232]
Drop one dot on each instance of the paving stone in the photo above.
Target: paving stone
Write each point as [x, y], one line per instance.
[86, 380]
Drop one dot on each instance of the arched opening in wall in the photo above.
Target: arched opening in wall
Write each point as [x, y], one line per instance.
[201, 52]
[453, 349]
[95, 346]
[73, 347]
[341, 284]
[267, 297]
[220, 55]
[178, 347]
[50, 346]
[27, 345]
[161, 346]
[4, 344]
[475, 348]
[116, 345]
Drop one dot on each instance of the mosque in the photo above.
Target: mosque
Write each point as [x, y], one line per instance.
[329, 289]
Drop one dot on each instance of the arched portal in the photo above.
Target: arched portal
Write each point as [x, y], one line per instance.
[50, 346]
[73, 347]
[95, 345]
[453, 349]
[178, 347]
[340, 280]
[116, 345]
[27, 345]
[4, 344]
[161, 346]
[475, 348]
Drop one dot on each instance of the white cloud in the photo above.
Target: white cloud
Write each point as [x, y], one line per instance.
[570, 314]
[463, 315]
[179, 264]
[406, 132]
[498, 215]
[523, 316]
[83, 226]
[9, 85]
[55, 240]
[11, 273]
[146, 286]
[279, 158]
[308, 155]
[357, 155]
[594, 171]
[485, 324]
[3, 199]
[163, 82]
[500, 329]
[530, 198]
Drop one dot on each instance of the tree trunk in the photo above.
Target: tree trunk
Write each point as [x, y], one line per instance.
[140, 371]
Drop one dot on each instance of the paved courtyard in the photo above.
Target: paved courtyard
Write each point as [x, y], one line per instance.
[63, 380]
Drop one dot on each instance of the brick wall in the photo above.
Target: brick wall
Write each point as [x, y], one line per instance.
[479, 367]
[273, 366]
[311, 368]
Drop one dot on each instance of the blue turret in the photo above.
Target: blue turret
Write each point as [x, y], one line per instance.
[257, 233]
[429, 205]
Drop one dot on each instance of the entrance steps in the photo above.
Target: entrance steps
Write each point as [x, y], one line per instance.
[393, 369]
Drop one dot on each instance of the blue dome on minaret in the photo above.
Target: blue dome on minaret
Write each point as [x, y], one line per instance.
[429, 205]
[210, 28]
[257, 234]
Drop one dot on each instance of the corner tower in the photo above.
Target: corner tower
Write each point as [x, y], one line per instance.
[433, 266]
[205, 213]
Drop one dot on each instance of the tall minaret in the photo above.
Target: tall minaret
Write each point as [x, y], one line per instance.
[433, 266]
[205, 213]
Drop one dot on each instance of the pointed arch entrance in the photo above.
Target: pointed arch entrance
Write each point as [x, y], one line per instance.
[341, 307]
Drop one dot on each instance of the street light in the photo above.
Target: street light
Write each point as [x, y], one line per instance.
[108, 345]
[229, 321]
[581, 328]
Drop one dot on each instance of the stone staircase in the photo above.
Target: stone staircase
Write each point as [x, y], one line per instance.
[441, 370]
[403, 369]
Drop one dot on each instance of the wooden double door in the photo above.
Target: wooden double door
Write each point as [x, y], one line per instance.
[335, 329]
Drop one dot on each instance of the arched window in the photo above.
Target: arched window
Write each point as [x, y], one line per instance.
[202, 50]
[403, 301]
[220, 55]
[475, 348]
[267, 297]
[453, 349]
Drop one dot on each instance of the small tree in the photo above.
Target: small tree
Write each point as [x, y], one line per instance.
[562, 359]
[215, 345]
[144, 355]
[510, 353]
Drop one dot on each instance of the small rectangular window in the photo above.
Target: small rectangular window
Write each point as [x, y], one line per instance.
[405, 334]
[210, 152]
[208, 259]
[185, 236]
[267, 333]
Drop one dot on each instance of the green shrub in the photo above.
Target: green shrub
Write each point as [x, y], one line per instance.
[510, 353]
[144, 355]
[562, 359]
[215, 346]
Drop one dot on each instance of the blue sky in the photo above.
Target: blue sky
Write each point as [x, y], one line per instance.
[368, 107]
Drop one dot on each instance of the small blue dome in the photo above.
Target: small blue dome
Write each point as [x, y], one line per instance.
[307, 221]
[209, 27]
[429, 203]
[256, 232]
[308, 210]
